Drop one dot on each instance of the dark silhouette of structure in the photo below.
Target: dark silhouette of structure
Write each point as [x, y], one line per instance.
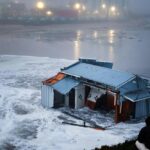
[144, 135]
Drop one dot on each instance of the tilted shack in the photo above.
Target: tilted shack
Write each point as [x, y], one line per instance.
[96, 85]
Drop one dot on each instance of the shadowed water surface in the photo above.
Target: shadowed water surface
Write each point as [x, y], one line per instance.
[124, 44]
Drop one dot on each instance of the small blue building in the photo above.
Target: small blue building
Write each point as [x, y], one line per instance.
[96, 85]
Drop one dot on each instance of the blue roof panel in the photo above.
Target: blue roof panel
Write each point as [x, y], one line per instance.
[134, 85]
[99, 74]
[130, 86]
[65, 85]
[138, 95]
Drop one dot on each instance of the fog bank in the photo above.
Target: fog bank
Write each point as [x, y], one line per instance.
[139, 7]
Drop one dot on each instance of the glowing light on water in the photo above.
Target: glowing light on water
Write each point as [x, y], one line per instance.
[111, 53]
[111, 36]
[78, 35]
[95, 34]
[77, 45]
[111, 32]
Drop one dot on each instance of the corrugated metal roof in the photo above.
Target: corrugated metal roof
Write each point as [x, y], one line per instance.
[138, 95]
[134, 85]
[99, 74]
[65, 85]
[130, 86]
[97, 63]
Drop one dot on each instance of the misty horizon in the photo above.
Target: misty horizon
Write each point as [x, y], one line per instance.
[134, 6]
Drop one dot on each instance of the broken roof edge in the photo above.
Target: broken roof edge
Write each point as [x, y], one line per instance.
[69, 74]
[92, 62]
[52, 80]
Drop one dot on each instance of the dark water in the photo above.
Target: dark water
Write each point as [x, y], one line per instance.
[126, 45]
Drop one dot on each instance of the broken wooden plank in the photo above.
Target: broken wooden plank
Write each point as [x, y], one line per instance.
[84, 125]
[93, 124]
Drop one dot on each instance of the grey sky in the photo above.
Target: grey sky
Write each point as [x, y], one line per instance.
[139, 6]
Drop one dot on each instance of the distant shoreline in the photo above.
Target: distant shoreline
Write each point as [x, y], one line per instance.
[49, 21]
[45, 22]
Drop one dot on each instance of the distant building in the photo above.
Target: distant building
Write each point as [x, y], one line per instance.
[92, 5]
[65, 13]
[12, 9]
[96, 85]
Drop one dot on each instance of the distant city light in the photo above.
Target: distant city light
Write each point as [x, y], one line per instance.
[96, 12]
[83, 8]
[77, 6]
[49, 13]
[113, 8]
[104, 6]
[40, 5]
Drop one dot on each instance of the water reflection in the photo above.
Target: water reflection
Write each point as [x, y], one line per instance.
[71, 42]
[77, 45]
[111, 53]
[78, 37]
[95, 34]
[111, 34]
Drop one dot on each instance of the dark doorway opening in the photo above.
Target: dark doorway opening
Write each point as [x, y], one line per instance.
[101, 102]
[59, 99]
[87, 91]
[72, 98]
